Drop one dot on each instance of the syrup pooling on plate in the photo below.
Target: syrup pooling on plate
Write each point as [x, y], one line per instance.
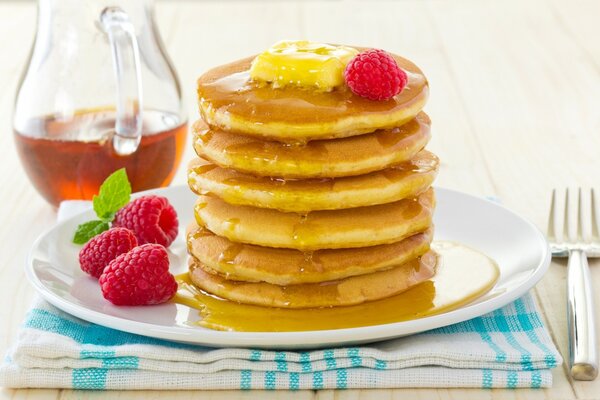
[463, 275]
[324, 293]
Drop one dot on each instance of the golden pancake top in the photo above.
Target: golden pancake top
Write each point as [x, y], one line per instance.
[349, 156]
[230, 100]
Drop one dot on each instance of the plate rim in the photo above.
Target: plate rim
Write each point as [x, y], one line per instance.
[295, 339]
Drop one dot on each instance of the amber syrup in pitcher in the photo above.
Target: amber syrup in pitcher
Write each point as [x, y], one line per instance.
[70, 158]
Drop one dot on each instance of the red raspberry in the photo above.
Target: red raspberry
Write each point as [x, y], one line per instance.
[375, 75]
[105, 247]
[140, 277]
[151, 218]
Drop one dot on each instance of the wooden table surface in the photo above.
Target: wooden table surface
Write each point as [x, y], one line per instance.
[515, 103]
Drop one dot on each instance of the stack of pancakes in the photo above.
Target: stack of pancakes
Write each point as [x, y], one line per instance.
[309, 198]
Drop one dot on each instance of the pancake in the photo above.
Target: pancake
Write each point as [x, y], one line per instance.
[328, 229]
[246, 262]
[392, 184]
[345, 292]
[350, 156]
[229, 100]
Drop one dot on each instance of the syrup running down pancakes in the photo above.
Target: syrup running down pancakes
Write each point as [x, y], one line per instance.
[250, 263]
[310, 197]
[231, 101]
[304, 195]
[327, 229]
[344, 157]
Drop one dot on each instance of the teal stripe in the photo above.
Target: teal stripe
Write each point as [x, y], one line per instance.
[355, 362]
[318, 380]
[512, 379]
[380, 364]
[270, 380]
[353, 352]
[110, 360]
[330, 361]
[294, 381]
[305, 362]
[281, 362]
[84, 353]
[85, 333]
[89, 378]
[475, 325]
[550, 360]
[479, 324]
[46, 321]
[246, 379]
[530, 321]
[505, 324]
[355, 359]
[341, 380]
[536, 379]
[129, 362]
[487, 379]
[255, 355]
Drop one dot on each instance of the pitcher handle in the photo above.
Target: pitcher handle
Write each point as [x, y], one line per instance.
[128, 74]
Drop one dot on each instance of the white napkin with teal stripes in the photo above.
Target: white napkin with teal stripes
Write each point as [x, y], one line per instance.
[507, 348]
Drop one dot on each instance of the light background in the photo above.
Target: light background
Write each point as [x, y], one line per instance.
[515, 104]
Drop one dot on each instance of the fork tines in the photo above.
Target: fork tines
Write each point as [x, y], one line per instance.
[584, 227]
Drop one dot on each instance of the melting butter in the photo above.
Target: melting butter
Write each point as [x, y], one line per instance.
[302, 63]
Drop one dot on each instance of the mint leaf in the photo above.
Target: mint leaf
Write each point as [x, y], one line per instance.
[88, 230]
[113, 194]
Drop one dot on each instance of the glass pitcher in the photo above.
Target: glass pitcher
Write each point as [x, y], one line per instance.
[99, 93]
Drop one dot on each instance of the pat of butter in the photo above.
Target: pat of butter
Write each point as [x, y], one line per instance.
[302, 63]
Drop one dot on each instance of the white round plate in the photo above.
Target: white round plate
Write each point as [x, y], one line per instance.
[517, 246]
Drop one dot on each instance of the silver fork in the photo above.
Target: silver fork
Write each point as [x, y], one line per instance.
[583, 354]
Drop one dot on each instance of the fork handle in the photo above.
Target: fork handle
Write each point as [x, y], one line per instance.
[581, 319]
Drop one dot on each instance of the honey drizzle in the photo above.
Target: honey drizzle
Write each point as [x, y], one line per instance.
[421, 168]
[230, 224]
[399, 139]
[302, 230]
[229, 255]
[311, 262]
